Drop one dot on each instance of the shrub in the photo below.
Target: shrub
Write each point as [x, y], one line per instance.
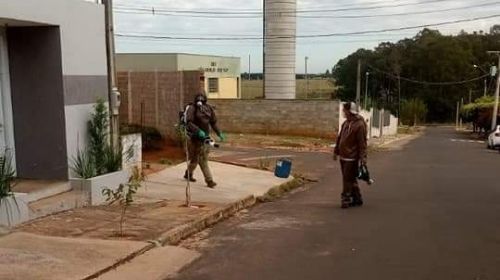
[100, 157]
[7, 177]
[83, 165]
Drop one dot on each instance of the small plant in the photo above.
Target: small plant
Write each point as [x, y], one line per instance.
[83, 165]
[124, 195]
[7, 177]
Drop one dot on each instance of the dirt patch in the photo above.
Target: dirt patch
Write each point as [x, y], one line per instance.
[142, 223]
[279, 142]
[167, 154]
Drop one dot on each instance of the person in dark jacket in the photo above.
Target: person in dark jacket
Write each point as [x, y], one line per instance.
[200, 117]
[351, 148]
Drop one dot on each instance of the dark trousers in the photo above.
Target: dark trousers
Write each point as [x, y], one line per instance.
[198, 155]
[350, 171]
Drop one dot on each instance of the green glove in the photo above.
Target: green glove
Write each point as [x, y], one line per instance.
[201, 134]
[222, 137]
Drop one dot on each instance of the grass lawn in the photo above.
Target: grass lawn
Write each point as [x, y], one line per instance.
[322, 89]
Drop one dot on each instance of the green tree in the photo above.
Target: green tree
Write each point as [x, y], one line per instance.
[413, 111]
[427, 57]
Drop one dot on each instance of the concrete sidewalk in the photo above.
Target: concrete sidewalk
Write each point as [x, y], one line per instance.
[83, 244]
[234, 183]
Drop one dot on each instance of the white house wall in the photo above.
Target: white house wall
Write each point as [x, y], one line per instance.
[83, 53]
[8, 122]
[82, 30]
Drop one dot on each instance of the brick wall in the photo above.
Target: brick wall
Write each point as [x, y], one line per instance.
[154, 99]
[316, 118]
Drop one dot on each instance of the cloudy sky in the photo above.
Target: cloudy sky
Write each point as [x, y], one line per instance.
[131, 18]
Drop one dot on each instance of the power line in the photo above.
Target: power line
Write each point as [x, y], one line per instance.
[368, 3]
[308, 36]
[426, 82]
[315, 16]
[256, 43]
[204, 12]
[405, 13]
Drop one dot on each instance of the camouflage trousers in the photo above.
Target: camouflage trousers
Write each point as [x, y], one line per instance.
[198, 155]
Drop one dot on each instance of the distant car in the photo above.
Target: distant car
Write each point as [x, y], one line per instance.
[494, 139]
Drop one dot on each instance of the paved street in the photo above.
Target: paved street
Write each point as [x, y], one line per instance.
[434, 213]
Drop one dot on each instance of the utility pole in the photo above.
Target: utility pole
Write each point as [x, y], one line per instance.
[485, 79]
[307, 78]
[366, 90]
[264, 49]
[497, 92]
[358, 84]
[457, 116]
[113, 95]
[461, 106]
[249, 67]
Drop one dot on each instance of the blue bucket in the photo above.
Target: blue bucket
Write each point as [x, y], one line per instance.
[283, 168]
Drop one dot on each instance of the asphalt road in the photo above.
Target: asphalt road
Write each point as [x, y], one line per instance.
[434, 213]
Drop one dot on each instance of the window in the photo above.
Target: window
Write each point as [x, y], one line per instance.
[213, 85]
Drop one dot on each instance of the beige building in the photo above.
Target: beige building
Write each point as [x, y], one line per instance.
[222, 74]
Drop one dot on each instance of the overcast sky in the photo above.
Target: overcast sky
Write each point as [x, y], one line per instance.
[323, 53]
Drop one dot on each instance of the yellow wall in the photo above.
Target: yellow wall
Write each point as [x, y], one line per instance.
[228, 88]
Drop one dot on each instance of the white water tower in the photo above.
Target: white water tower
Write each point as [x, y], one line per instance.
[280, 28]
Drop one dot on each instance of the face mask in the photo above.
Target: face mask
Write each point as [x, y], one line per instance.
[199, 103]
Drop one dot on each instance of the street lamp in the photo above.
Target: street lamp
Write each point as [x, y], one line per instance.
[485, 79]
[497, 93]
[367, 74]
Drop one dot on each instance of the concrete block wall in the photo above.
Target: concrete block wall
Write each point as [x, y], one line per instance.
[154, 99]
[315, 118]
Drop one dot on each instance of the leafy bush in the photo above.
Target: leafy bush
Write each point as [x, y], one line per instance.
[113, 159]
[470, 112]
[100, 158]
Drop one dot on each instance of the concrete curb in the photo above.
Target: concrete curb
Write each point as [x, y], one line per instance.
[406, 137]
[121, 261]
[175, 235]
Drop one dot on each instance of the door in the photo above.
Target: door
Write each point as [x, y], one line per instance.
[36, 85]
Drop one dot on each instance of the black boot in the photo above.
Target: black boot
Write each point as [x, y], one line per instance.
[346, 201]
[191, 179]
[211, 184]
[357, 201]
